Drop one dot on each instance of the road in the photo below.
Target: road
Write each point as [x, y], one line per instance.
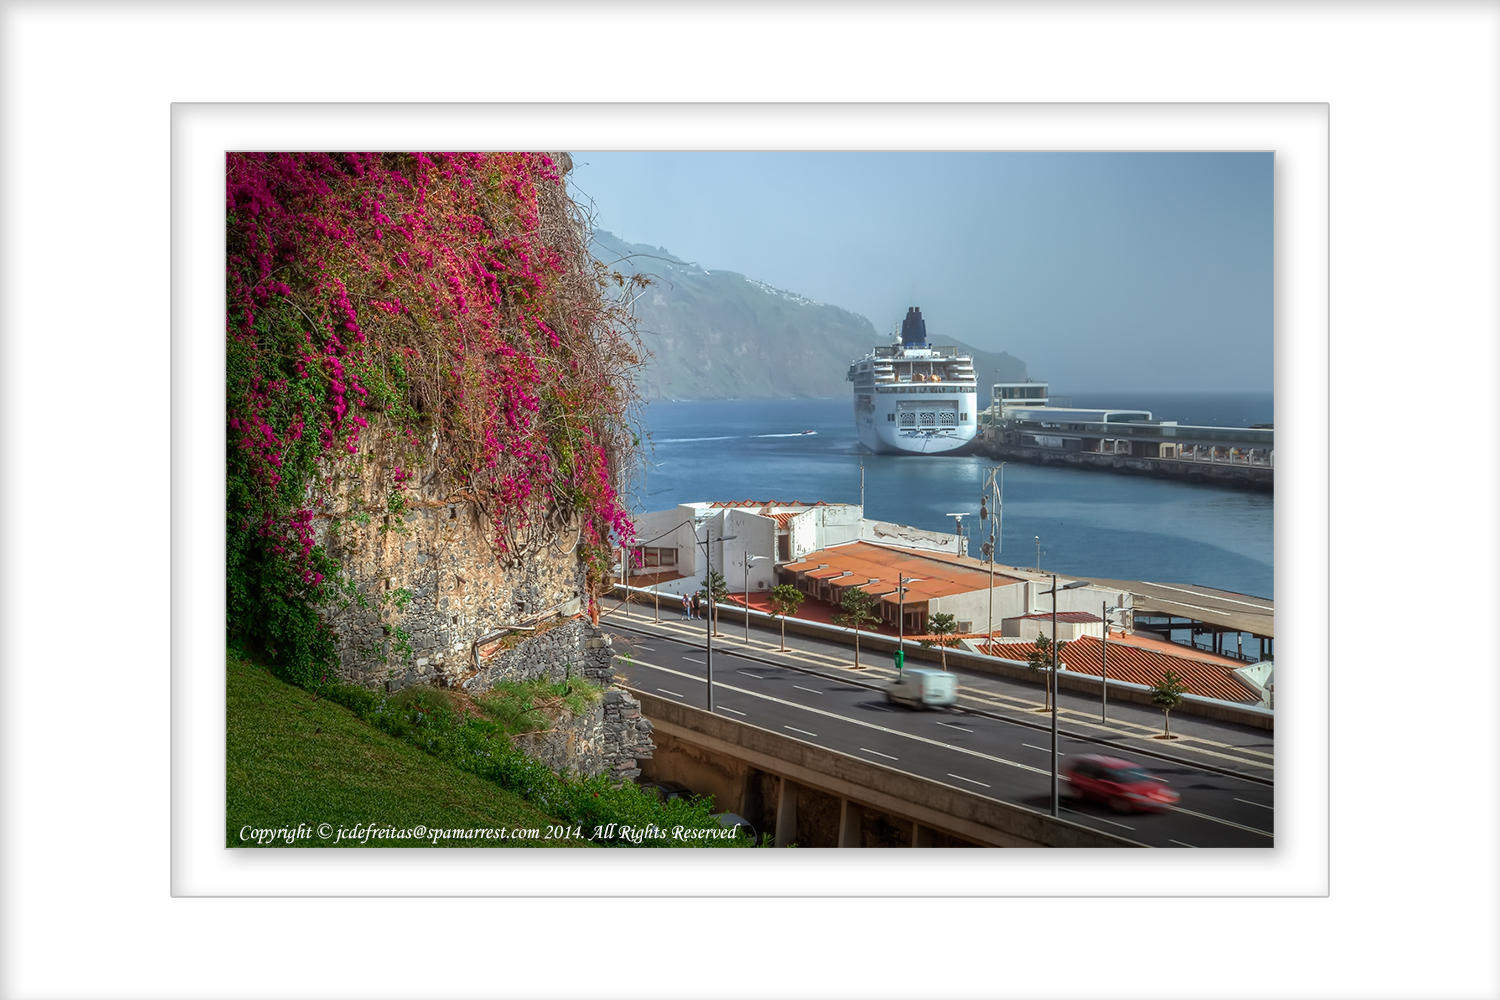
[995, 744]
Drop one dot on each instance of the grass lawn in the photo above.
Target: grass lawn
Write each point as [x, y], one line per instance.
[293, 759]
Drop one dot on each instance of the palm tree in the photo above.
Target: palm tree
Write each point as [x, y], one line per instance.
[856, 605]
[785, 600]
[942, 626]
[1168, 694]
[1041, 658]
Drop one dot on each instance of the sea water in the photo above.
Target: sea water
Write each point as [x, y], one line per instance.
[1071, 521]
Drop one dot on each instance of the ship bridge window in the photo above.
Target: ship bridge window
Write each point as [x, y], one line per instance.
[908, 419]
[949, 418]
[928, 419]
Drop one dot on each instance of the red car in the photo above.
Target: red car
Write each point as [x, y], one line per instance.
[1119, 784]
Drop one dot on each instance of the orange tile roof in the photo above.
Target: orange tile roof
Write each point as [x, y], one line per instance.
[1143, 661]
[937, 574]
[768, 503]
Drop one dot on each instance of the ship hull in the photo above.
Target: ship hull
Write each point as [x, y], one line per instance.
[878, 420]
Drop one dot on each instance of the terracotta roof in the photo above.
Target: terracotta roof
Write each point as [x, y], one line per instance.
[1143, 661]
[768, 503]
[938, 574]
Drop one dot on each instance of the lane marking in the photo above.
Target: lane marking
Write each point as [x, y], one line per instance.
[931, 742]
[1249, 803]
[969, 780]
[1042, 749]
[799, 687]
[674, 694]
[804, 732]
[853, 722]
[692, 659]
[878, 753]
[959, 728]
[1101, 819]
[1179, 843]
[736, 712]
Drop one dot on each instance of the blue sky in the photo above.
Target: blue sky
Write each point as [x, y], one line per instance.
[1139, 271]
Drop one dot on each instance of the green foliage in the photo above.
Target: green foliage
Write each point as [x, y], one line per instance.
[293, 758]
[530, 706]
[856, 607]
[716, 589]
[1167, 692]
[785, 600]
[943, 626]
[1042, 658]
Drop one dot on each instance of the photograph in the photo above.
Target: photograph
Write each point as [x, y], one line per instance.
[774, 499]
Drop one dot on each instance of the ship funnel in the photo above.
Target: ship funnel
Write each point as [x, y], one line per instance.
[914, 329]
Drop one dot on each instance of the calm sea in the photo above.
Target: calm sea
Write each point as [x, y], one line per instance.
[1088, 523]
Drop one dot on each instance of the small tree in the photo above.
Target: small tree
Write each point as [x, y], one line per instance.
[1041, 658]
[715, 591]
[785, 600]
[1168, 694]
[943, 626]
[856, 606]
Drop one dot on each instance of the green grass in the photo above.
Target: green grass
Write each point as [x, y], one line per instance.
[295, 759]
[533, 705]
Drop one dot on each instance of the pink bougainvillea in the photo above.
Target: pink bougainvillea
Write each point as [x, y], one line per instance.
[449, 296]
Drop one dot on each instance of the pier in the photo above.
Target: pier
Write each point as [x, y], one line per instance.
[1242, 457]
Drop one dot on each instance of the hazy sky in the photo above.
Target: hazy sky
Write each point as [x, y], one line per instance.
[1139, 271]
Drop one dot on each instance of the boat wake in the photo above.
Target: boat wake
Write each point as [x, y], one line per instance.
[733, 437]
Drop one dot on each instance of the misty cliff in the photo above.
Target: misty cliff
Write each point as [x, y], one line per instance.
[718, 334]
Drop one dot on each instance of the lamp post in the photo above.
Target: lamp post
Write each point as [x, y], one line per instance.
[901, 582]
[748, 560]
[1052, 680]
[995, 538]
[1104, 661]
[1038, 540]
[708, 620]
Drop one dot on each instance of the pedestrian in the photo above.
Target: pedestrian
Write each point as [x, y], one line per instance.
[697, 607]
[687, 607]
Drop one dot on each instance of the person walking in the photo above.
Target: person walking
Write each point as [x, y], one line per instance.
[687, 607]
[697, 607]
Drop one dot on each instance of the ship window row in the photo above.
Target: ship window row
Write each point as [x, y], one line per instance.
[929, 389]
[909, 418]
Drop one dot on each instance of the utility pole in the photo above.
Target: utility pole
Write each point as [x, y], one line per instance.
[998, 497]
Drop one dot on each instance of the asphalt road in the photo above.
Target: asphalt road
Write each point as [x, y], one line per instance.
[987, 746]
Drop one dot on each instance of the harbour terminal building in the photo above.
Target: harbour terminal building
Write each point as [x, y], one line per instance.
[1022, 424]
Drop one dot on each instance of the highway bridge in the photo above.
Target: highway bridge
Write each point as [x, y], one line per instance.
[994, 747]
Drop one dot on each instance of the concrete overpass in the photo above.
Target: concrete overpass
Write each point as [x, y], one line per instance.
[815, 797]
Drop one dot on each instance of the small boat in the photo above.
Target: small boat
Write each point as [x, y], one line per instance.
[809, 432]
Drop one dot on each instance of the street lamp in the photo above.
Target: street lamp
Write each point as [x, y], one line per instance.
[748, 560]
[995, 537]
[901, 582]
[1104, 660]
[1052, 688]
[708, 621]
[1038, 540]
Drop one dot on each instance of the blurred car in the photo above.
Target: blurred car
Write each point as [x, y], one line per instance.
[734, 821]
[1120, 784]
[666, 791]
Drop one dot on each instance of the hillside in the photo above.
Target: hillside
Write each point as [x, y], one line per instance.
[719, 334]
[292, 758]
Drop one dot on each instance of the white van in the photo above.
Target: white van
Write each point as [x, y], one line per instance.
[923, 687]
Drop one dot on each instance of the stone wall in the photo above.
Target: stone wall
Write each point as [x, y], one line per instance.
[432, 603]
[428, 580]
[611, 739]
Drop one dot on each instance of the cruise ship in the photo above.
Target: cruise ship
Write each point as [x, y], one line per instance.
[913, 399]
